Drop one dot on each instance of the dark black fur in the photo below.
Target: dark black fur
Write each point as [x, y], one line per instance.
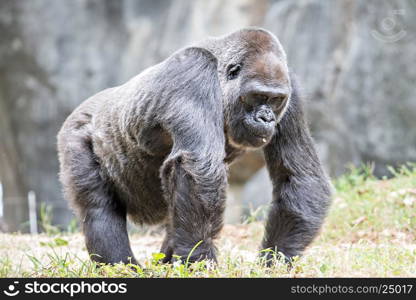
[156, 149]
[300, 188]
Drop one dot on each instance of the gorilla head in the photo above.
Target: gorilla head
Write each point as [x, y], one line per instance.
[255, 82]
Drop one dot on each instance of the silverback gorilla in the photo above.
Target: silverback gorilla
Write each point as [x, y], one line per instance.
[157, 149]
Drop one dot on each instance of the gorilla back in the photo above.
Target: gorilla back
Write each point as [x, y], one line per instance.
[156, 149]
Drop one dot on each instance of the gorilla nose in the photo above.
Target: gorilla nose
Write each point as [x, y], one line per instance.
[265, 116]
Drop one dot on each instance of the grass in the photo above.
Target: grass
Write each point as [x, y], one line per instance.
[370, 232]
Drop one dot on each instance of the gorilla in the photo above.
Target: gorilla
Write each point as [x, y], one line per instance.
[157, 149]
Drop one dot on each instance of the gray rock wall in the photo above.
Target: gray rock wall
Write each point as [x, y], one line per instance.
[354, 61]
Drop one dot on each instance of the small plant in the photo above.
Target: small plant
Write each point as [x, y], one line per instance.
[46, 220]
[355, 176]
[56, 242]
[72, 226]
[157, 258]
[255, 215]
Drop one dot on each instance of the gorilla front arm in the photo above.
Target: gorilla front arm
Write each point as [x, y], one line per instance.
[194, 174]
[301, 192]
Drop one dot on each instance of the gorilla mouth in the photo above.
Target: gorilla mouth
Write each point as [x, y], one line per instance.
[263, 138]
[259, 132]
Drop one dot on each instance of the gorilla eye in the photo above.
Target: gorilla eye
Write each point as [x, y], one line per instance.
[278, 101]
[281, 98]
[233, 71]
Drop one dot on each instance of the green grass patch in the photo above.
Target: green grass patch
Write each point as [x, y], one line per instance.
[370, 231]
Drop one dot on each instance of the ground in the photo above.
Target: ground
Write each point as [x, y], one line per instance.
[370, 232]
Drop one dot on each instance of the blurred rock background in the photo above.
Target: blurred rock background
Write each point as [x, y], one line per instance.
[355, 60]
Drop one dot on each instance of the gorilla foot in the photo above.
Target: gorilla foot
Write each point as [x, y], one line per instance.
[271, 258]
[186, 255]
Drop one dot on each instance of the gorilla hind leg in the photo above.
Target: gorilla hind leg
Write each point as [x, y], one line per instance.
[102, 215]
[106, 234]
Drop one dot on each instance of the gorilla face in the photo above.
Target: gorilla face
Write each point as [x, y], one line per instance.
[256, 89]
